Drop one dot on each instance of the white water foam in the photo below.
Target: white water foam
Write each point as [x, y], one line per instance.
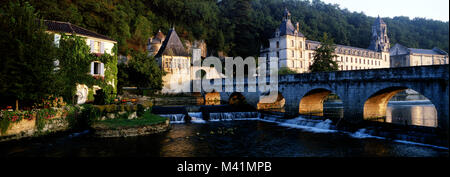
[196, 117]
[361, 134]
[315, 126]
[174, 118]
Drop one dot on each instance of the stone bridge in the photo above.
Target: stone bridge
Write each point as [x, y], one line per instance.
[364, 93]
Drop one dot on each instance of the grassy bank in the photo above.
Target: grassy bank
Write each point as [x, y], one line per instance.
[146, 119]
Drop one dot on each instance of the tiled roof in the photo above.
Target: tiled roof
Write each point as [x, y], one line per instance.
[66, 27]
[172, 46]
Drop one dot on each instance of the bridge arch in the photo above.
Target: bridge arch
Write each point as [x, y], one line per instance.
[212, 98]
[312, 103]
[237, 98]
[376, 108]
[277, 106]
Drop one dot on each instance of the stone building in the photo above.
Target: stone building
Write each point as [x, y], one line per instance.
[172, 58]
[154, 44]
[99, 44]
[176, 61]
[402, 56]
[297, 53]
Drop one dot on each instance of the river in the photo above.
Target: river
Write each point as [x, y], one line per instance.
[236, 135]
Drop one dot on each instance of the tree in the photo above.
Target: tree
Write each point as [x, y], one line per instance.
[323, 56]
[27, 55]
[285, 70]
[142, 71]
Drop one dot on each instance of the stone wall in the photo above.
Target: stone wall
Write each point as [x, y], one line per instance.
[27, 128]
[102, 131]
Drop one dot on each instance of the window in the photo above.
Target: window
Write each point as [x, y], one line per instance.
[97, 47]
[346, 67]
[57, 37]
[351, 59]
[301, 44]
[292, 43]
[346, 59]
[293, 54]
[97, 68]
[278, 54]
[278, 44]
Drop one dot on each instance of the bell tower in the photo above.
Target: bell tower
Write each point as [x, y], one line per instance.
[379, 40]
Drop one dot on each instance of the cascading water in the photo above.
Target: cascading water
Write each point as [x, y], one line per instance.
[196, 117]
[174, 118]
[233, 116]
[318, 126]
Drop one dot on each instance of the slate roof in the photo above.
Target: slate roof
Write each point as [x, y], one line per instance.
[316, 43]
[172, 45]
[379, 21]
[66, 27]
[286, 27]
[433, 51]
[158, 37]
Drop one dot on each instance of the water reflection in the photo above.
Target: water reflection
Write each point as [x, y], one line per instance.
[420, 115]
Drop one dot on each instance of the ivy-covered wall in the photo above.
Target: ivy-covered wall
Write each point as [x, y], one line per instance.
[75, 58]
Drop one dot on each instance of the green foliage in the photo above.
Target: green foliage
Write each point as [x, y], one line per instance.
[74, 63]
[27, 51]
[236, 27]
[323, 56]
[42, 117]
[141, 71]
[285, 70]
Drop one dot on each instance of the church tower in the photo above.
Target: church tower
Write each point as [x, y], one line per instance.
[379, 40]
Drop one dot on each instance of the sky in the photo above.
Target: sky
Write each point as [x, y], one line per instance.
[430, 9]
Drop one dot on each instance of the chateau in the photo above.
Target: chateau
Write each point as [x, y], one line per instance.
[175, 60]
[297, 53]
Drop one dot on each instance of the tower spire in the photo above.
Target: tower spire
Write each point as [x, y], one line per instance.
[286, 14]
